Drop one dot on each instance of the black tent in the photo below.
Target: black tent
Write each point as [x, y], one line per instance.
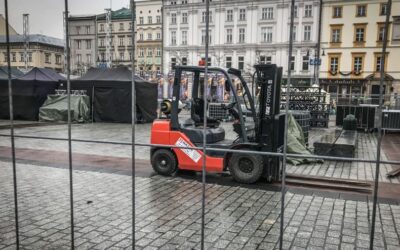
[14, 73]
[111, 95]
[4, 102]
[29, 93]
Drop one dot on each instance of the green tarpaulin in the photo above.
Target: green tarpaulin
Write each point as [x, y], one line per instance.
[55, 109]
[296, 143]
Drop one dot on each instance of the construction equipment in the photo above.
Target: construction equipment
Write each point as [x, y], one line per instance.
[262, 131]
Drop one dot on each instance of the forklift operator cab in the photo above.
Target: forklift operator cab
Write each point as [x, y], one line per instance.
[193, 127]
[257, 135]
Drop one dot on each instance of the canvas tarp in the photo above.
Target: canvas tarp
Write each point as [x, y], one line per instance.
[111, 95]
[29, 93]
[55, 109]
[296, 143]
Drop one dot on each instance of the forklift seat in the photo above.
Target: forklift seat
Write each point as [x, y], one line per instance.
[197, 114]
[196, 134]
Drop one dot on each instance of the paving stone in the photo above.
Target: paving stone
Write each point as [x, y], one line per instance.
[143, 242]
[168, 215]
[159, 242]
[222, 244]
[345, 246]
[300, 242]
[317, 242]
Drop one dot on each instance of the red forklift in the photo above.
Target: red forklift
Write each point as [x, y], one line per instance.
[261, 130]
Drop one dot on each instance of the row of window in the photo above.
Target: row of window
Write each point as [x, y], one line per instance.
[121, 56]
[240, 62]
[141, 53]
[150, 52]
[267, 13]
[79, 29]
[14, 57]
[150, 36]
[360, 11]
[88, 58]
[359, 33]
[103, 27]
[266, 35]
[87, 42]
[121, 41]
[182, 1]
[47, 57]
[121, 27]
[358, 60]
[150, 20]
[144, 70]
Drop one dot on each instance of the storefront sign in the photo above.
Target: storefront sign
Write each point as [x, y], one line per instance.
[325, 81]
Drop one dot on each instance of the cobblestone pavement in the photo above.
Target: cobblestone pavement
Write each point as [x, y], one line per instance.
[366, 148]
[168, 215]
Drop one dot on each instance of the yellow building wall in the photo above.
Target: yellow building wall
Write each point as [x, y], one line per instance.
[38, 59]
[347, 46]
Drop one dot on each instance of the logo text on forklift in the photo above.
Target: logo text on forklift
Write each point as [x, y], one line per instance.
[193, 154]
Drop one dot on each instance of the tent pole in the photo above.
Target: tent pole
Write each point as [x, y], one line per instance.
[93, 103]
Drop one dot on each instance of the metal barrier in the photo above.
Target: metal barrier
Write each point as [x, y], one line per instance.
[133, 143]
[391, 120]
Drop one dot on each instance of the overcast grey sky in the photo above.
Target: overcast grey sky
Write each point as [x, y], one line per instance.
[45, 16]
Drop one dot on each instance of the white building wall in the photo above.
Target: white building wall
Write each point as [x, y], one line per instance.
[253, 46]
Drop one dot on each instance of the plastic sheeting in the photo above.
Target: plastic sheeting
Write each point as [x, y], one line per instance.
[55, 109]
[296, 142]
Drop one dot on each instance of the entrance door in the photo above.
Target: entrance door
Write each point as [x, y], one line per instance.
[375, 93]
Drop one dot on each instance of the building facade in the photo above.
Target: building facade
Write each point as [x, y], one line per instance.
[44, 52]
[82, 31]
[351, 44]
[120, 37]
[242, 33]
[89, 39]
[149, 37]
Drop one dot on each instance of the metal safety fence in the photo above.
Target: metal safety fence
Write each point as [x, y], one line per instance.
[200, 147]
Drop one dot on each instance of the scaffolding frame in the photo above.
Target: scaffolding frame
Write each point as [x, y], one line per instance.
[26, 40]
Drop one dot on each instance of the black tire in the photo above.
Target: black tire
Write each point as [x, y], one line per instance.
[246, 168]
[164, 162]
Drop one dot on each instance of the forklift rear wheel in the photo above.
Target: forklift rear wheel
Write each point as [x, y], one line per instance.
[246, 168]
[164, 162]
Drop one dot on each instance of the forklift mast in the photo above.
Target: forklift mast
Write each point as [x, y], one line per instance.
[269, 78]
[270, 129]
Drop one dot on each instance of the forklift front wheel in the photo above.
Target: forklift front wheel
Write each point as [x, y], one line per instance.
[246, 168]
[164, 162]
